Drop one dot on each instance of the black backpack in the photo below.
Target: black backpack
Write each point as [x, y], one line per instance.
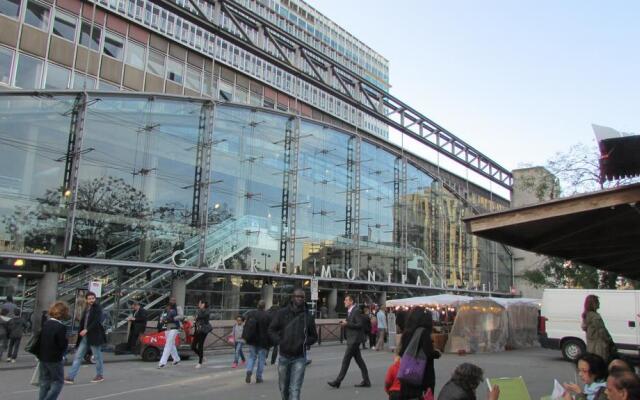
[250, 330]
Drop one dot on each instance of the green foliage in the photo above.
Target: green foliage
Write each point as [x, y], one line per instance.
[556, 273]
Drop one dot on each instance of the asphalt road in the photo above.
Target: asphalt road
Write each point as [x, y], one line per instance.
[216, 380]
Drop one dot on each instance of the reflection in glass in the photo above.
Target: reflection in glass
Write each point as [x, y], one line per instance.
[29, 72]
[33, 206]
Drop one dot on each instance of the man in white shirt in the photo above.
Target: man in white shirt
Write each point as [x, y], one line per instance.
[382, 327]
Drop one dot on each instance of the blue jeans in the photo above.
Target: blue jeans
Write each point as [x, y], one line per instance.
[260, 354]
[51, 380]
[290, 376]
[80, 352]
[238, 353]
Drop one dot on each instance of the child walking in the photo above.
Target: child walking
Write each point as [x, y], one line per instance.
[238, 342]
[391, 381]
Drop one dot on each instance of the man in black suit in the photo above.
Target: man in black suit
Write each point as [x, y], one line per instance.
[355, 336]
[138, 325]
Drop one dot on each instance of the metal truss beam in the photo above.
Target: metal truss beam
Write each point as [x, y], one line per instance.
[414, 124]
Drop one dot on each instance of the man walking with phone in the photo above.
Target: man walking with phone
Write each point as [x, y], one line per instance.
[355, 336]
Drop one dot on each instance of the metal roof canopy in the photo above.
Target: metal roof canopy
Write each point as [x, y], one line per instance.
[601, 229]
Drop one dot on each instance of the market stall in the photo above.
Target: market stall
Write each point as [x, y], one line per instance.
[481, 325]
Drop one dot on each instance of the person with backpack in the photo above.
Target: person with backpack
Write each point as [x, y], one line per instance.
[256, 335]
[418, 330]
[202, 329]
[91, 335]
[293, 328]
[16, 327]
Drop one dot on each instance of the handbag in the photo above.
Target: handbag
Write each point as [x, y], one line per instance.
[33, 345]
[204, 328]
[231, 339]
[428, 395]
[413, 361]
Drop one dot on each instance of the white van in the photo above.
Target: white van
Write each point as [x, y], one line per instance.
[561, 317]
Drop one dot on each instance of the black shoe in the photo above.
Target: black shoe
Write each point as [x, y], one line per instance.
[363, 384]
[258, 380]
[247, 379]
[334, 384]
[307, 362]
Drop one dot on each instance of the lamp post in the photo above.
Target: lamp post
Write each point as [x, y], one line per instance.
[265, 255]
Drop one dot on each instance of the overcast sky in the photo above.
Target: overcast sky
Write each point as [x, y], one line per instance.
[517, 80]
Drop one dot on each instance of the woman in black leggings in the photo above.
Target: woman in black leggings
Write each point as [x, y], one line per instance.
[203, 327]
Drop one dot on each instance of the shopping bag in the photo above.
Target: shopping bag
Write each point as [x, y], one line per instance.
[231, 339]
[428, 395]
[413, 361]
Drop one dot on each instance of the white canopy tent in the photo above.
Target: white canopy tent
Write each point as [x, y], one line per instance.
[438, 300]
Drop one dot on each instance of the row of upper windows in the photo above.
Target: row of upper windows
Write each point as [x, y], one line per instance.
[66, 26]
[326, 39]
[30, 72]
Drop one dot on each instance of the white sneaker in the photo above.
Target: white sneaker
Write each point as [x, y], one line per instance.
[13, 360]
[198, 366]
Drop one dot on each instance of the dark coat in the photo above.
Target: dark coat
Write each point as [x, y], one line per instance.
[263, 319]
[429, 379]
[354, 328]
[294, 330]
[453, 391]
[95, 331]
[16, 327]
[139, 322]
[53, 341]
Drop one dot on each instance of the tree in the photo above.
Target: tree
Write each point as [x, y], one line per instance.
[577, 171]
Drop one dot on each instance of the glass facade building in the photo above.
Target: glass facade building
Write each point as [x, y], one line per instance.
[139, 149]
[276, 196]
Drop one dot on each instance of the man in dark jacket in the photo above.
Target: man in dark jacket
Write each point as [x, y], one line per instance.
[16, 326]
[138, 325]
[91, 335]
[293, 328]
[355, 336]
[256, 335]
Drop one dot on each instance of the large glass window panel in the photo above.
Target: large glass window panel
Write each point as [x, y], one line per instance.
[135, 55]
[109, 87]
[193, 79]
[33, 150]
[246, 196]
[379, 245]
[29, 72]
[64, 26]
[37, 15]
[90, 37]
[325, 236]
[156, 63]
[113, 45]
[139, 179]
[10, 8]
[57, 77]
[81, 81]
[6, 58]
[175, 70]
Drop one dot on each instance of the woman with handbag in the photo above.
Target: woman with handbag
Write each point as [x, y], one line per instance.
[599, 340]
[202, 329]
[419, 324]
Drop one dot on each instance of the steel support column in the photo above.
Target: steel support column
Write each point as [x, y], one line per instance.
[72, 165]
[202, 179]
